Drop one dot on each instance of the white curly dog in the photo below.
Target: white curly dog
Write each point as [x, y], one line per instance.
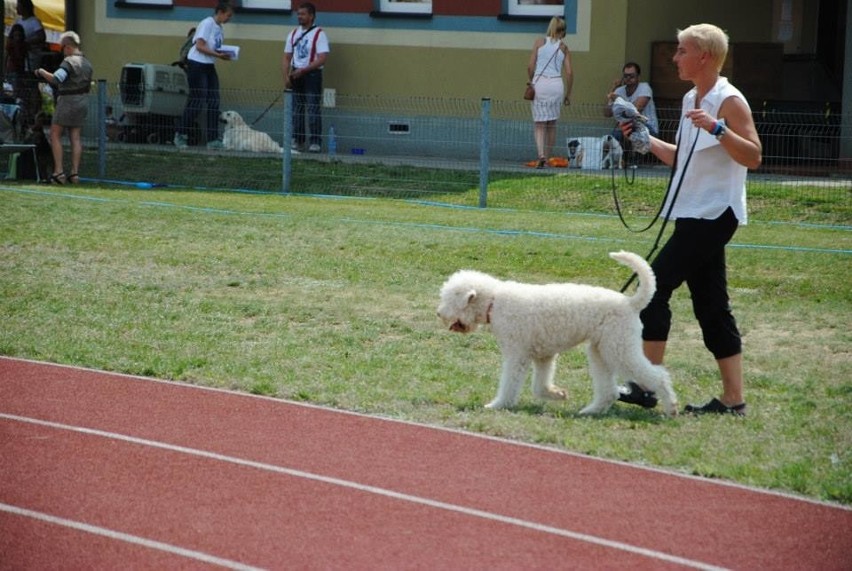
[239, 136]
[534, 323]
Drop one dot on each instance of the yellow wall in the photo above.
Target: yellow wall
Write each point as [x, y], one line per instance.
[620, 30]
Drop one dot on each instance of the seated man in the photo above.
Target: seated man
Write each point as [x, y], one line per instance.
[639, 94]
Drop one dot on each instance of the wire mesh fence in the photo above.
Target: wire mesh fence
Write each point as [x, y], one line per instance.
[466, 152]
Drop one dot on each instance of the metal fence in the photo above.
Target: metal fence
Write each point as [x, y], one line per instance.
[452, 150]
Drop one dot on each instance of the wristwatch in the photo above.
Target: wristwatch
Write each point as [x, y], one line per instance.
[720, 129]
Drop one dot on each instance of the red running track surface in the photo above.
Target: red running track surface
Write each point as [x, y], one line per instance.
[106, 471]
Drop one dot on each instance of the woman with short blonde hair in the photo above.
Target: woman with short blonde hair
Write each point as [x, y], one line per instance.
[717, 143]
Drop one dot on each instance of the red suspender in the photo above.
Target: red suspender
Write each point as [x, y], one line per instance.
[313, 43]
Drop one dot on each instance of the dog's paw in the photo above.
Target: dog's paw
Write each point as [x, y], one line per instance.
[594, 409]
[670, 408]
[497, 404]
[554, 393]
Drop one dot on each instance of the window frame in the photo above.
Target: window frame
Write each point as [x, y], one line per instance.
[514, 8]
[145, 4]
[265, 5]
[396, 7]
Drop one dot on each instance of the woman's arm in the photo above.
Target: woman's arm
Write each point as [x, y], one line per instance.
[740, 139]
[533, 58]
[569, 74]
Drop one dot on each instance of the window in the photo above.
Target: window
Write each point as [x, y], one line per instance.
[406, 6]
[144, 3]
[265, 4]
[536, 7]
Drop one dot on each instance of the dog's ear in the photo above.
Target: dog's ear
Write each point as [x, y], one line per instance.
[471, 296]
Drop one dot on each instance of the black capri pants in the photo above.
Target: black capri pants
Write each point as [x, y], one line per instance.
[695, 254]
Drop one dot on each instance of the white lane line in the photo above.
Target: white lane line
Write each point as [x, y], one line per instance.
[384, 419]
[376, 490]
[134, 539]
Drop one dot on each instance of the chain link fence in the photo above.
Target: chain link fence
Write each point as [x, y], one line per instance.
[473, 153]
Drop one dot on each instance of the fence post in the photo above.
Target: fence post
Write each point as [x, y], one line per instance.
[287, 156]
[102, 99]
[484, 148]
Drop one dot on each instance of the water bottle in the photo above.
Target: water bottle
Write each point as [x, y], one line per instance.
[332, 141]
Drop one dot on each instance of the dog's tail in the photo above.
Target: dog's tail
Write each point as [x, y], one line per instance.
[647, 280]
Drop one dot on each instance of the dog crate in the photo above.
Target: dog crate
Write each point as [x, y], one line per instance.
[153, 97]
[148, 88]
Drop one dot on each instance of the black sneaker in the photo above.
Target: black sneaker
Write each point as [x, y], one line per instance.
[716, 406]
[634, 394]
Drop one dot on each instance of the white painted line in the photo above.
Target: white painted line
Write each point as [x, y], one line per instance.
[135, 540]
[460, 432]
[375, 490]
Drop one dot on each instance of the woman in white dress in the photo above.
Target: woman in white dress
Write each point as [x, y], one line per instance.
[550, 72]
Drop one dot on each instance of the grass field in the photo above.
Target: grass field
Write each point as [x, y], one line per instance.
[332, 301]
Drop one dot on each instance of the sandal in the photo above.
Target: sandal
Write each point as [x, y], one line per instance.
[57, 178]
[542, 161]
[715, 406]
[74, 178]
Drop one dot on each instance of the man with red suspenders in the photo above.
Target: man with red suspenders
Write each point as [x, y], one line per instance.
[305, 52]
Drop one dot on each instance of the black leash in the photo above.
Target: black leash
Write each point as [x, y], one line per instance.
[662, 205]
[274, 101]
[265, 111]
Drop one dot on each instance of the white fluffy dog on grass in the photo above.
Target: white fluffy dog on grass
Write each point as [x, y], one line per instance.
[239, 136]
[534, 323]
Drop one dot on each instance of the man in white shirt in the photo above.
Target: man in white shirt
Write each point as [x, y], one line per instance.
[636, 92]
[305, 52]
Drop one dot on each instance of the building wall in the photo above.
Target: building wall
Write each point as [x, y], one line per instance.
[465, 50]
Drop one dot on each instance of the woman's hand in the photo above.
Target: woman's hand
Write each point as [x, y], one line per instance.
[701, 119]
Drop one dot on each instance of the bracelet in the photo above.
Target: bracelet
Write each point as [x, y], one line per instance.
[717, 128]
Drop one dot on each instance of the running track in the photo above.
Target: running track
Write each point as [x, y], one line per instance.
[106, 471]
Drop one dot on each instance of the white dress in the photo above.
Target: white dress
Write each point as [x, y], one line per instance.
[549, 88]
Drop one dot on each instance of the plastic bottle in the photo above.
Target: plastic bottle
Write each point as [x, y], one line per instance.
[332, 141]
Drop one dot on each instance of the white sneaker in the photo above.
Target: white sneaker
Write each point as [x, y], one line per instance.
[214, 144]
[180, 141]
[295, 146]
[314, 148]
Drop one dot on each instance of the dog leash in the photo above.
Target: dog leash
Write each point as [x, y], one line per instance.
[274, 101]
[663, 204]
[265, 111]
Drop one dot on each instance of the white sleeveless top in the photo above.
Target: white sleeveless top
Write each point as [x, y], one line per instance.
[713, 180]
[545, 64]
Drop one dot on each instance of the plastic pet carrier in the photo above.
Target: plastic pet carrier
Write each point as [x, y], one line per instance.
[153, 97]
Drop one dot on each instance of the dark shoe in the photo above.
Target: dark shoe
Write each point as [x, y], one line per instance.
[716, 406]
[74, 178]
[57, 178]
[634, 394]
[542, 162]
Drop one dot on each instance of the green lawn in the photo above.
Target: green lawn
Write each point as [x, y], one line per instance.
[332, 301]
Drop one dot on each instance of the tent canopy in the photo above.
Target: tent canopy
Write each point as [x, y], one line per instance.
[50, 12]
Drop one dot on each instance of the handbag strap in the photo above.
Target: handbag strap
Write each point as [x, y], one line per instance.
[558, 49]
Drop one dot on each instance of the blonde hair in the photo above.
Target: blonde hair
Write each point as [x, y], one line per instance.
[709, 38]
[556, 28]
[71, 38]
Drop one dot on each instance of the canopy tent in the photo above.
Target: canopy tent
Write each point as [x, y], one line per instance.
[50, 12]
